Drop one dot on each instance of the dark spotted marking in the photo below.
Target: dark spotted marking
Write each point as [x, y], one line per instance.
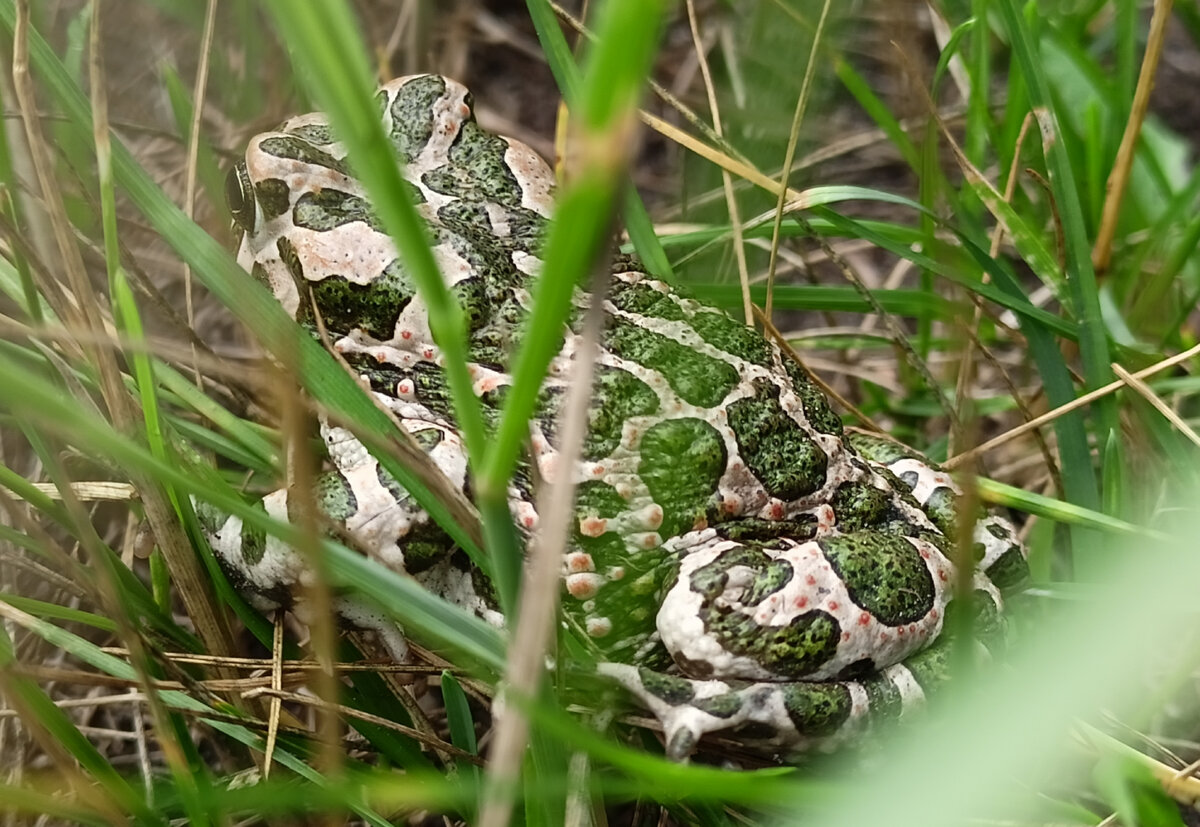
[254, 540]
[725, 705]
[682, 461]
[334, 497]
[412, 115]
[817, 709]
[754, 529]
[617, 395]
[477, 168]
[816, 407]
[273, 197]
[793, 651]
[298, 149]
[770, 575]
[883, 697]
[930, 667]
[640, 298]
[861, 668]
[883, 573]
[329, 208]
[287, 254]
[1010, 571]
[698, 379]
[373, 308]
[598, 499]
[860, 505]
[675, 691]
[732, 337]
[783, 457]
[318, 134]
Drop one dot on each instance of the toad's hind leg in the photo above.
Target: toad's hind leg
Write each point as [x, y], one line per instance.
[360, 504]
[788, 717]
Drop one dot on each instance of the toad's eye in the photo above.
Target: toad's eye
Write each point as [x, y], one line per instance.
[239, 195]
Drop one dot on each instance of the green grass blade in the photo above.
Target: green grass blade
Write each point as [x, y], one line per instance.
[57, 726]
[567, 75]
[265, 454]
[616, 70]
[214, 266]
[52, 611]
[330, 57]
[462, 726]
[1083, 293]
[399, 596]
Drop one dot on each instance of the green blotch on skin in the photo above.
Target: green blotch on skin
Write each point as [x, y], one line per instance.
[817, 709]
[273, 197]
[526, 228]
[941, 508]
[987, 625]
[881, 449]
[796, 650]
[617, 395]
[390, 484]
[860, 505]
[259, 274]
[698, 379]
[496, 322]
[472, 296]
[793, 651]
[477, 169]
[675, 691]
[682, 462]
[658, 579]
[287, 254]
[883, 573]
[334, 497]
[329, 208]
[990, 622]
[770, 575]
[816, 407]
[1010, 571]
[998, 531]
[412, 114]
[630, 603]
[431, 389]
[474, 219]
[382, 378]
[469, 218]
[643, 300]
[209, 516]
[374, 307]
[931, 667]
[598, 499]
[883, 698]
[493, 343]
[732, 337]
[427, 438]
[424, 545]
[725, 705]
[783, 457]
[297, 149]
[254, 541]
[318, 134]
[754, 529]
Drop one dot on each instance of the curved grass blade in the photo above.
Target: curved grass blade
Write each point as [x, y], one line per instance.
[1082, 292]
[566, 73]
[399, 596]
[329, 384]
